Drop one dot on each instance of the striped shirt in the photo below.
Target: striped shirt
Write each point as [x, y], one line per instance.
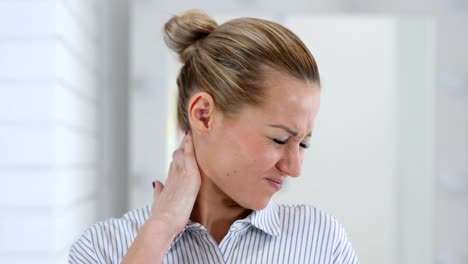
[276, 234]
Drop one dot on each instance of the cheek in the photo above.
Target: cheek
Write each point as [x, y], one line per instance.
[268, 155]
[260, 158]
[247, 156]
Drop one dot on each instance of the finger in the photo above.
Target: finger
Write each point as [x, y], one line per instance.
[188, 146]
[177, 152]
[182, 143]
[191, 159]
[178, 169]
[158, 188]
[179, 149]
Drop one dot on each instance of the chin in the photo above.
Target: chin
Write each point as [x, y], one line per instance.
[258, 204]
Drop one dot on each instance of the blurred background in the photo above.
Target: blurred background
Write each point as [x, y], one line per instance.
[87, 119]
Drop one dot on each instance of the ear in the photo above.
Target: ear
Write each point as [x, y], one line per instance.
[201, 112]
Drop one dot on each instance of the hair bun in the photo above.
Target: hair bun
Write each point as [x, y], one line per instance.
[181, 32]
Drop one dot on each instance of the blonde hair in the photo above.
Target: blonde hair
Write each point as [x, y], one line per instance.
[228, 61]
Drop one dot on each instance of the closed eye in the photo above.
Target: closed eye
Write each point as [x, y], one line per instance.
[279, 141]
[283, 142]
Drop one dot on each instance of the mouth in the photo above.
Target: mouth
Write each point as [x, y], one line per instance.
[275, 183]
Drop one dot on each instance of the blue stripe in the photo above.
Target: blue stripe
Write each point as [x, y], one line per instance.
[277, 234]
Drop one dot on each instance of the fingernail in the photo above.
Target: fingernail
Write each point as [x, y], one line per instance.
[154, 185]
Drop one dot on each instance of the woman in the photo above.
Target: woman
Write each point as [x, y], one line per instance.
[249, 92]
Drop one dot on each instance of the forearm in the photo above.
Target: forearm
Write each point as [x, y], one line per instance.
[151, 244]
[171, 208]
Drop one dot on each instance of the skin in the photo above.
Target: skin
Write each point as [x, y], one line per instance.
[227, 166]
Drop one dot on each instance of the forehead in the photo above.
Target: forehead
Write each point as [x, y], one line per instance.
[286, 94]
[288, 101]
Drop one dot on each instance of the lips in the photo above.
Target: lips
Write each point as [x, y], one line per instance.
[275, 182]
[278, 181]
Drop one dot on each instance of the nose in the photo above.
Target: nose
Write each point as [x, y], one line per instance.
[291, 162]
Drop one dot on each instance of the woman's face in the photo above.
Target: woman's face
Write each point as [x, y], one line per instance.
[249, 156]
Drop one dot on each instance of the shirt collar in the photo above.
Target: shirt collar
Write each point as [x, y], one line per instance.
[266, 219]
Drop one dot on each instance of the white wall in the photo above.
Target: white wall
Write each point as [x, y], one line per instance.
[48, 127]
[148, 108]
[415, 140]
[452, 140]
[349, 171]
[114, 115]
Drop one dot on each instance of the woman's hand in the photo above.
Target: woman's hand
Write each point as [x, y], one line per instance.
[174, 202]
[171, 207]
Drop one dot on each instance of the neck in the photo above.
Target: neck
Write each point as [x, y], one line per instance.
[215, 210]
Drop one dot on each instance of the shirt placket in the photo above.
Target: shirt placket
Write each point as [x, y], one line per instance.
[230, 243]
[209, 245]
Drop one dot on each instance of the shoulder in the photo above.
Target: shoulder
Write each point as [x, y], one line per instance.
[320, 227]
[107, 241]
[307, 214]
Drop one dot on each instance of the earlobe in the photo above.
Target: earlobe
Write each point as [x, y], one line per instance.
[201, 111]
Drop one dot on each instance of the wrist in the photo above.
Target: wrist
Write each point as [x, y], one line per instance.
[161, 231]
[151, 244]
[166, 224]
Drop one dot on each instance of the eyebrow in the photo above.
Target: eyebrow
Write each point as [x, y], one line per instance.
[287, 129]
